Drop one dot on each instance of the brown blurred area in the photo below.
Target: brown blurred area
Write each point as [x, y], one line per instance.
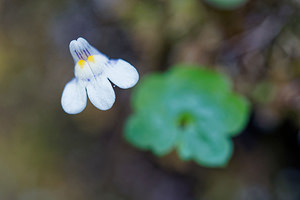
[48, 154]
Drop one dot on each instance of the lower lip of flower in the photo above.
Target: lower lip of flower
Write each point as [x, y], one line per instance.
[81, 63]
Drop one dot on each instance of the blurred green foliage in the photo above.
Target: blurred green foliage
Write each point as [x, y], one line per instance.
[190, 109]
[227, 4]
[47, 154]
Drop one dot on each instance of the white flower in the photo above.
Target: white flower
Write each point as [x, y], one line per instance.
[93, 73]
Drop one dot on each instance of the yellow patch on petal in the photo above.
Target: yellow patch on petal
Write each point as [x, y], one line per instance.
[91, 59]
[81, 63]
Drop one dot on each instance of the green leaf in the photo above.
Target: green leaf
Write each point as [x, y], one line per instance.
[193, 77]
[206, 148]
[235, 113]
[188, 109]
[146, 130]
[226, 4]
[144, 95]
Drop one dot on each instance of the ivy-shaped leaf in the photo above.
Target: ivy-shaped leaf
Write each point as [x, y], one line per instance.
[226, 4]
[189, 109]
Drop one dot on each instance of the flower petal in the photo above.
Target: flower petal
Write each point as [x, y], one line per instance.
[83, 44]
[73, 98]
[121, 73]
[101, 93]
[97, 64]
[80, 49]
[74, 51]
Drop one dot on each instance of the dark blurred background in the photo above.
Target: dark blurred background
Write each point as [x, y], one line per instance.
[48, 154]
